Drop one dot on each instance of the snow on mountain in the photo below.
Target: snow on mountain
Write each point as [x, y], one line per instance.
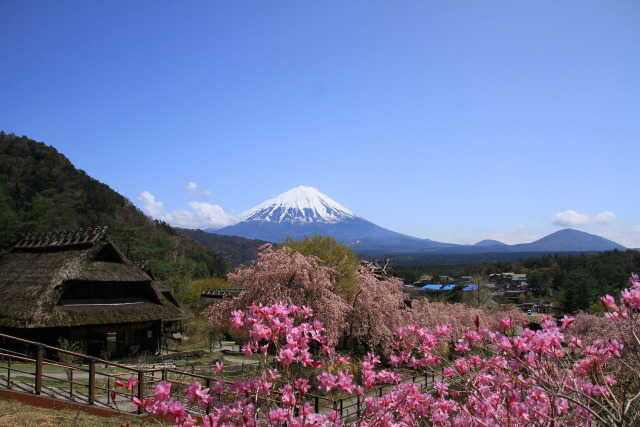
[301, 204]
[305, 211]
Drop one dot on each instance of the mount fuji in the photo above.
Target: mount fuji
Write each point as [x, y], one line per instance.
[305, 211]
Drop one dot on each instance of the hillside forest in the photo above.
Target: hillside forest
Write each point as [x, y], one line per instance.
[40, 191]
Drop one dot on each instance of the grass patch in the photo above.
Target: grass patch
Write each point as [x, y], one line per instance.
[18, 414]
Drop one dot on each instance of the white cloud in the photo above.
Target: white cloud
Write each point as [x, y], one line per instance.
[192, 186]
[206, 194]
[572, 218]
[604, 217]
[150, 206]
[569, 218]
[201, 215]
[211, 216]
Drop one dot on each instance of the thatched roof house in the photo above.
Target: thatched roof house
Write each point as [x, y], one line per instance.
[79, 286]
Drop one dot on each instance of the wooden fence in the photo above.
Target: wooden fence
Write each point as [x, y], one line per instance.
[91, 381]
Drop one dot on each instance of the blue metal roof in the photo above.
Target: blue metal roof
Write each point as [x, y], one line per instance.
[437, 287]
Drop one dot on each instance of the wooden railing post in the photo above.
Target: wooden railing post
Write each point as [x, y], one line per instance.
[39, 359]
[70, 383]
[140, 389]
[9, 373]
[207, 410]
[92, 381]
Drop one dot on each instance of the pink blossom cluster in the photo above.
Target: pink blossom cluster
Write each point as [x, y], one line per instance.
[630, 300]
[268, 325]
[481, 376]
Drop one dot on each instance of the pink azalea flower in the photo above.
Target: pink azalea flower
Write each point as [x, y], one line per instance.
[287, 395]
[327, 381]
[162, 391]
[177, 410]
[372, 358]
[132, 382]
[307, 311]
[286, 357]
[342, 359]
[613, 316]
[302, 385]
[247, 350]
[204, 397]
[631, 297]
[236, 318]
[609, 302]
[567, 321]
[278, 416]
[505, 323]
[345, 382]
[191, 391]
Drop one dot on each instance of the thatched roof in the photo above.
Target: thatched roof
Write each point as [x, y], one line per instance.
[78, 278]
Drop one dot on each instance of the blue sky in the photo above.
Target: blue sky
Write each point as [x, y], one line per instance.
[451, 120]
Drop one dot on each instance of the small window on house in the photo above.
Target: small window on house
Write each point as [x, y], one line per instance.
[86, 292]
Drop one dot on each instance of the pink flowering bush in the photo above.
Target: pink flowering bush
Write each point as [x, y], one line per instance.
[377, 309]
[285, 275]
[461, 316]
[482, 376]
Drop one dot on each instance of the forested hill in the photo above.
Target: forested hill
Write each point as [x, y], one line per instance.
[40, 190]
[236, 250]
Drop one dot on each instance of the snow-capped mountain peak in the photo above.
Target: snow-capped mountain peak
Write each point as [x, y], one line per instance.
[300, 204]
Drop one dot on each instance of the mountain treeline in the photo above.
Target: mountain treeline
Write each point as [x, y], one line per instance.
[236, 250]
[574, 281]
[40, 190]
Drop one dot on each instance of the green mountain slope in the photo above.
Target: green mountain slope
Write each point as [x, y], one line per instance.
[40, 190]
[236, 250]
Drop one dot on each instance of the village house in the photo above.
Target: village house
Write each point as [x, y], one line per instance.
[79, 287]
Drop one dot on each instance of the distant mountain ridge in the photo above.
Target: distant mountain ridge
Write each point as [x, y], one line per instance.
[489, 242]
[569, 240]
[305, 211]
